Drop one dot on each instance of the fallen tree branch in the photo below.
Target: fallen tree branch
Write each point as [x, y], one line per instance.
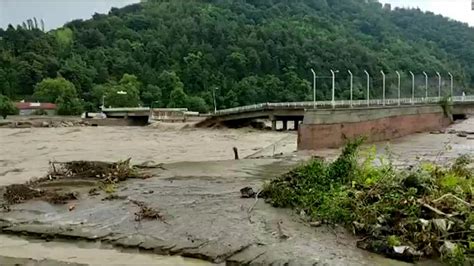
[253, 206]
[454, 197]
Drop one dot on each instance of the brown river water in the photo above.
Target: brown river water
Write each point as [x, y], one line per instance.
[25, 153]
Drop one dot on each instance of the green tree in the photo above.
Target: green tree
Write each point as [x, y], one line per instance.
[7, 107]
[72, 106]
[168, 82]
[51, 90]
[177, 98]
[126, 93]
[151, 94]
[197, 104]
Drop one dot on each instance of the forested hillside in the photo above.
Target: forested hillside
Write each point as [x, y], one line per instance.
[174, 53]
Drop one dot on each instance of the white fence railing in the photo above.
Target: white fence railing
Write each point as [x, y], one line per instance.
[342, 103]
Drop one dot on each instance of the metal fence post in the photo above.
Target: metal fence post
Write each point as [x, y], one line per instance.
[368, 87]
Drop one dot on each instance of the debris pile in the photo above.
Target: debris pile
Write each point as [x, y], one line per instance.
[44, 123]
[426, 211]
[146, 212]
[106, 172]
[18, 193]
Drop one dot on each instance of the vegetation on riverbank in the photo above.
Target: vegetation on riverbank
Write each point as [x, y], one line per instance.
[426, 211]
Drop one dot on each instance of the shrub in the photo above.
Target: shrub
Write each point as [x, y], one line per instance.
[404, 214]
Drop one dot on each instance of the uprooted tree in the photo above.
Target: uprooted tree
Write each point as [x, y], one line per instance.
[405, 214]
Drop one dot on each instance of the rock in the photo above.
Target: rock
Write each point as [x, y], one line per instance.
[247, 192]
[462, 135]
[316, 224]
[44, 124]
[452, 131]
[437, 132]
[470, 137]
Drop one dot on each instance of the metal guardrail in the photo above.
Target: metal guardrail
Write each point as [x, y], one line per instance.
[127, 109]
[342, 103]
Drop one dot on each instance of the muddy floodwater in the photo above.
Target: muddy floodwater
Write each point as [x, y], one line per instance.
[196, 190]
[25, 153]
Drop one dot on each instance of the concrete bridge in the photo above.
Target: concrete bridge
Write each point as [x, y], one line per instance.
[133, 116]
[295, 111]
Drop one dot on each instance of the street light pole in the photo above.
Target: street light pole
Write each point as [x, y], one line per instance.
[412, 87]
[314, 88]
[439, 84]
[214, 97]
[426, 86]
[333, 94]
[399, 86]
[452, 84]
[352, 85]
[383, 87]
[368, 87]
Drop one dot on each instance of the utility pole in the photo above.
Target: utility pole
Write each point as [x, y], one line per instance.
[314, 88]
[368, 87]
[399, 86]
[352, 85]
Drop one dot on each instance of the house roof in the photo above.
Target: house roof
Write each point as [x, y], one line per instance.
[35, 106]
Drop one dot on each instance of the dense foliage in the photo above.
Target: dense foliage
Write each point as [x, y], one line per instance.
[6, 107]
[425, 211]
[253, 51]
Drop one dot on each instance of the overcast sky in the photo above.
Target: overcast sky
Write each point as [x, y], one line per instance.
[57, 12]
[54, 12]
[455, 9]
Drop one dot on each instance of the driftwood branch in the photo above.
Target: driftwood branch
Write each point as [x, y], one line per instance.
[454, 197]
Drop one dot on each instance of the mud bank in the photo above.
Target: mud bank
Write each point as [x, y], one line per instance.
[204, 217]
[29, 251]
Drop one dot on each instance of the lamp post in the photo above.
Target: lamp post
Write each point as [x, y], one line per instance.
[426, 86]
[452, 84]
[383, 87]
[314, 88]
[368, 87]
[412, 87]
[352, 85]
[399, 86]
[214, 97]
[439, 84]
[333, 94]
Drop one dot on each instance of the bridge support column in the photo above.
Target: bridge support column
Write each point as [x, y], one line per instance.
[274, 125]
[297, 124]
[285, 125]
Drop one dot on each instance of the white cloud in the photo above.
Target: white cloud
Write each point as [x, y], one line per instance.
[455, 9]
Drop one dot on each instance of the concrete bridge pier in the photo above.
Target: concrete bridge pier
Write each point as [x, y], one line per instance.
[285, 125]
[274, 123]
[297, 124]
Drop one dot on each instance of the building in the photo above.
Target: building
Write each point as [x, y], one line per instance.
[28, 108]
